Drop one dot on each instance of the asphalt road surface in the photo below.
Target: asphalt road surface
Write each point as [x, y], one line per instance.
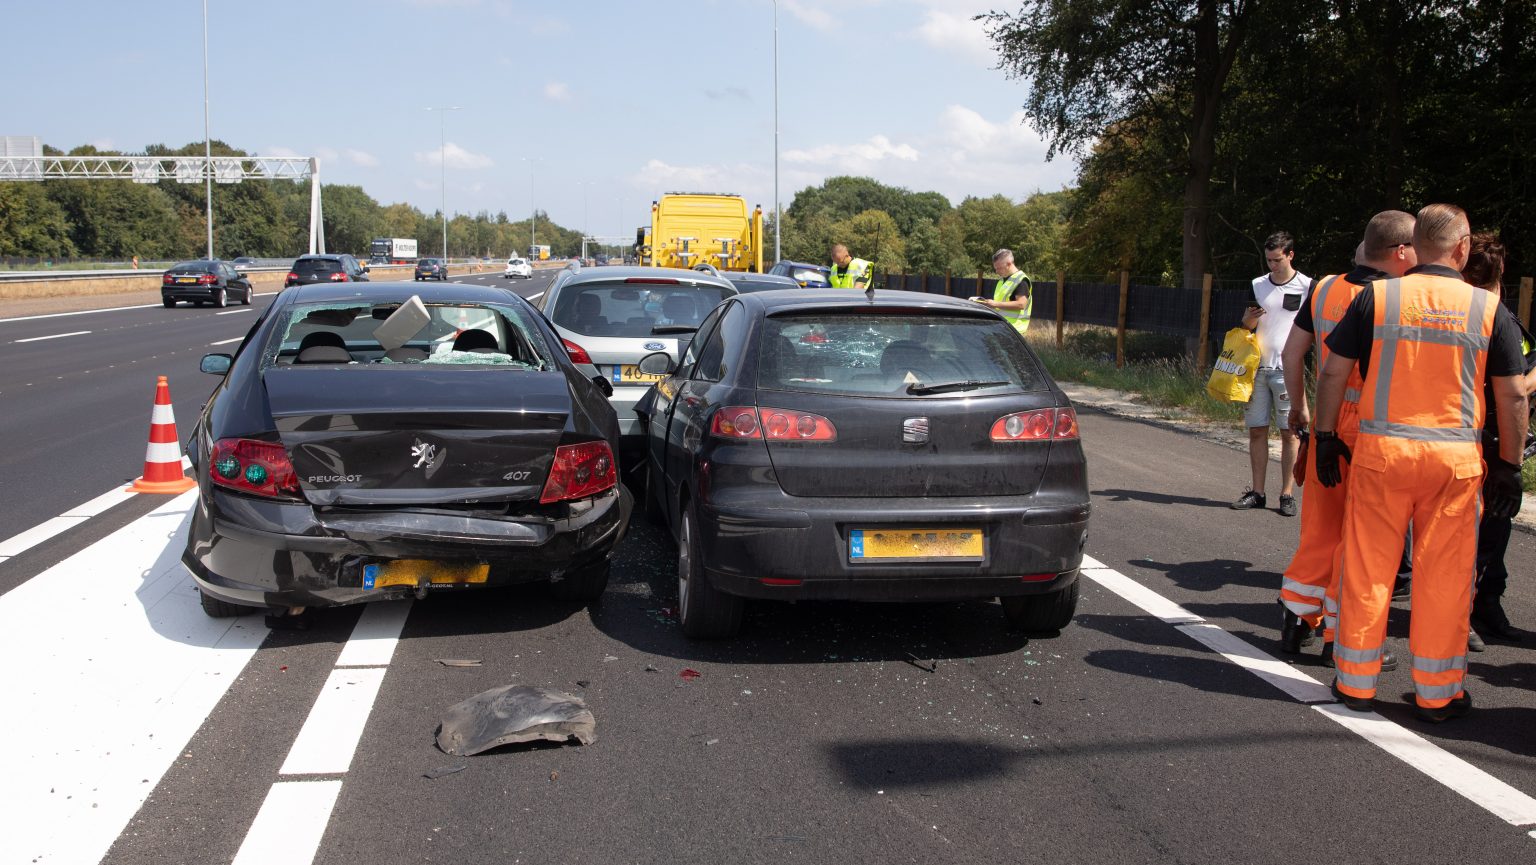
[1161, 726]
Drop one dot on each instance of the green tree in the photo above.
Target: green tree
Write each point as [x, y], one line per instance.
[32, 225]
[841, 198]
[873, 235]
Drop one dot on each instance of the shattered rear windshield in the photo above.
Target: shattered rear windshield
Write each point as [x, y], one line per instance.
[453, 334]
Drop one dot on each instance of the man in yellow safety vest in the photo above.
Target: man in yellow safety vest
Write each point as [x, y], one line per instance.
[847, 271]
[1014, 294]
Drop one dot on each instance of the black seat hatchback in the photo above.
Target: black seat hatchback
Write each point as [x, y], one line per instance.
[818, 444]
[310, 269]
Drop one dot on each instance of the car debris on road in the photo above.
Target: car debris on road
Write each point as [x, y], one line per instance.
[512, 714]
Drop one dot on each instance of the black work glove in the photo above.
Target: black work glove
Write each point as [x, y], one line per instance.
[1330, 449]
[1502, 490]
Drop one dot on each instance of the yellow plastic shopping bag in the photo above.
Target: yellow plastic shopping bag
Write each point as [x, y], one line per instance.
[1232, 380]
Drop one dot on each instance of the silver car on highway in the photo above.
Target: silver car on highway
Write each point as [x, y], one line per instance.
[610, 317]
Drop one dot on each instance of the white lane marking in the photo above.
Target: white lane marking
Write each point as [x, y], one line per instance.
[227, 341]
[330, 734]
[19, 543]
[534, 297]
[79, 312]
[288, 828]
[1504, 801]
[54, 336]
[233, 311]
[121, 689]
[292, 820]
[1461, 777]
[375, 635]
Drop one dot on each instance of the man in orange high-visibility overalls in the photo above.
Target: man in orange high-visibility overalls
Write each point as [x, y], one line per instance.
[1424, 344]
[1309, 590]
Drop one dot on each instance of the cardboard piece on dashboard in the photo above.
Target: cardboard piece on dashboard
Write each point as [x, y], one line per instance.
[404, 323]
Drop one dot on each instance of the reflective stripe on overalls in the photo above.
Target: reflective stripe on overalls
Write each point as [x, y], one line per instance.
[1019, 318]
[857, 269]
[1310, 586]
[1417, 459]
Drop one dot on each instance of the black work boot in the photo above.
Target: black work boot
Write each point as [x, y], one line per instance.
[1248, 501]
[1359, 704]
[1488, 617]
[1474, 642]
[1454, 709]
[1294, 631]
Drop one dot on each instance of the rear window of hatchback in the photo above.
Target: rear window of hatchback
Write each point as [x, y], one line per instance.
[895, 355]
[631, 310]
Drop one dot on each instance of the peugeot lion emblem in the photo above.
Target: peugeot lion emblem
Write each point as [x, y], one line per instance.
[424, 452]
[914, 430]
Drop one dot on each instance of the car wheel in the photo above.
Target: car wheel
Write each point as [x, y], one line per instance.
[1048, 612]
[249, 293]
[167, 302]
[706, 613]
[586, 585]
[220, 609]
[220, 298]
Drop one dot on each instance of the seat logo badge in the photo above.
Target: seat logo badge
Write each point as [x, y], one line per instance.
[654, 346]
[425, 454]
[914, 430]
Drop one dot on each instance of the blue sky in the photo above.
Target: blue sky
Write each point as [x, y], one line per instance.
[588, 109]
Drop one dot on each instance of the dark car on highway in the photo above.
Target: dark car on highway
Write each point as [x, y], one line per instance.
[431, 268]
[384, 443]
[807, 275]
[823, 445]
[340, 267]
[204, 281]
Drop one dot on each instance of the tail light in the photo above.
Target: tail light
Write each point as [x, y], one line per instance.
[773, 424]
[580, 471]
[207, 279]
[292, 278]
[1046, 424]
[339, 276]
[167, 279]
[253, 467]
[577, 353]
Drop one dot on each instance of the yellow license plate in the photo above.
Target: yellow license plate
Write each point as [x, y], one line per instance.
[186, 280]
[416, 572]
[915, 545]
[631, 374]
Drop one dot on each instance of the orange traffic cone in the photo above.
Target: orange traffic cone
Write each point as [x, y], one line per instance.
[162, 459]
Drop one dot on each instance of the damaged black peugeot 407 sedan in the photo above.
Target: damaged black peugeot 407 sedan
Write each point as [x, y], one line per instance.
[380, 443]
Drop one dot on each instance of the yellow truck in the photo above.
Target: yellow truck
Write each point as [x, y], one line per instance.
[692, 228]
[538, 253]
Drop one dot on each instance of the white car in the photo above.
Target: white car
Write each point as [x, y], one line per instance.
[518, 267]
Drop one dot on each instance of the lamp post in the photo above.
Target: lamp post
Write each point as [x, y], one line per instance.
[208, 142]
[778, 213]
[533, 215]
[442, 165]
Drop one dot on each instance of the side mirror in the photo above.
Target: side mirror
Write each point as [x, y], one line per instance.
[657, 363]
[365, 267]
[603, 384]
[215, 364]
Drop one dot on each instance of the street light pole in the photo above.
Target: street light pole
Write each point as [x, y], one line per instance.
[778, 212]
[442, 165]
[207, 142]
[533, 216]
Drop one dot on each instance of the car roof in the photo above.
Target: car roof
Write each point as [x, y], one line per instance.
[321, 256]
[802, 264]
[770, 302]
[397, 292]
[762, 278]
[620, 273]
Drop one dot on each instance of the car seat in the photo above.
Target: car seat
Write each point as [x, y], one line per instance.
[476, 340]
[905, 356]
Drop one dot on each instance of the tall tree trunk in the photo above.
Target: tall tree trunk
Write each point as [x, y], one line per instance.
[1213, 61]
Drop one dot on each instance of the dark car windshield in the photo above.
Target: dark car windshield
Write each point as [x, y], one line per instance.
[316, 265]
[194, 266]
[427, 262]
[895, 355]
[623, 309]
[453, 334]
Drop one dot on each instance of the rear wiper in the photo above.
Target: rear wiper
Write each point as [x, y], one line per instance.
[661, 329]
[952, 386]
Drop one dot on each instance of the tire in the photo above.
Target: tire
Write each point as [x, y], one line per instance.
[249, 293]
[586, 585]
[705, 613]
[220, 298]
[1048, 612]
[167, 302]
[219, 609]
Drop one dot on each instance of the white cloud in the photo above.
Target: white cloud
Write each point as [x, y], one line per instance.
[102, 144]
[956, 33]
[557, 91]
[284, 152]
[815, 16]
[456, 157]
[362, 158]
[854, 158]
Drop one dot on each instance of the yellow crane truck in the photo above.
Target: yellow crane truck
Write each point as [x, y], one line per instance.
[692, 228]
